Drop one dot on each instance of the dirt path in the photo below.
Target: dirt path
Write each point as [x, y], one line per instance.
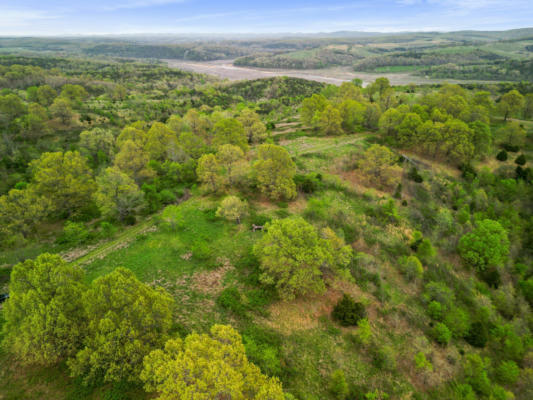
[122, 240]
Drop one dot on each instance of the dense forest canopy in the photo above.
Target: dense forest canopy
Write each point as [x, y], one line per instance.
[165, 234]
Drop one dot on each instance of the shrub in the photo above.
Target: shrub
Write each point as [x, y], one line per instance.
[348, 312]
[422, 362]
[364, 333]
[414, 175]
[502, 156]
[511, 148]
[486, 246]
[520, 160]
[441, 333]
[425, 250]
[478, 335]
[107, 229]
[499, 393]
[308, 183]
[458, 321]
[412, 268]
[338, 385]
[438, 291]
[508, 372]
[384, 359]
[491, 276]
[230, 299]
[262, 351]
[74, 233]
[476, 373]
[527, 290]
[166, 196]
[172, 218]
[435, 310]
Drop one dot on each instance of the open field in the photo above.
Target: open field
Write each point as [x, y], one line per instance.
[225, 69]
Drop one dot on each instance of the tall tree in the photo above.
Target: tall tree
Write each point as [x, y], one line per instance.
[231, 158]
[65, 179]
[510, 103]
[44, 314]
[209, 173]
[230, 131]
[21, 211]
[253, 127]
[133, 160]
[275, 172]
[329, 121]
[117, 194]
[207, 366]
[310, 106]
[379, 163]
[486, 246]
[98, 143]
[295, 258]
[62, 110]
[160, 139]
[127, 320]
[232, 208]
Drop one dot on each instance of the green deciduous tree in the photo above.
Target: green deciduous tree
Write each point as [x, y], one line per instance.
[209, 173]
[230, 131]
[510, 103]
[134, 133]
[198, 123]
[378, 162]
[352, 114]
[486, 246]
[207, 366]
[75, 93]
[389, 122]
[232, 208]
[98, 143]
[310, 106]
[457, 141]
[275, 172]
[34, 123]
[160, 141]
[193, 145]
[45, 95]
[407, 130]
[62, 110]
[296, 258]
[231, 158]
[44, 315]
[127, 320]
[329, 121]
[21, 211]
[117, 194]
[253, 127]
[65, 179]
[11, 107]
[514, 134]
[133, 160]
[338, 385]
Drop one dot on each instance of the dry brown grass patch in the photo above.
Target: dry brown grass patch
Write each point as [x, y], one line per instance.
[211, 282]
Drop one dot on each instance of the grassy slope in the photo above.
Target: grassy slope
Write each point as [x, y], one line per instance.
[311, 345]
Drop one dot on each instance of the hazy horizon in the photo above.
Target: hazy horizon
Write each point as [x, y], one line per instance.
[207, 17]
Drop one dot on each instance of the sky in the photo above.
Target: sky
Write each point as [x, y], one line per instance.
[77, 17]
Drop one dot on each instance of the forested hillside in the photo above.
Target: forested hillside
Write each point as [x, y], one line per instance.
[167, 235]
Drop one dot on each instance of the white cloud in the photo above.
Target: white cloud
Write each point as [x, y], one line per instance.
[22, 17]
[140, 4]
